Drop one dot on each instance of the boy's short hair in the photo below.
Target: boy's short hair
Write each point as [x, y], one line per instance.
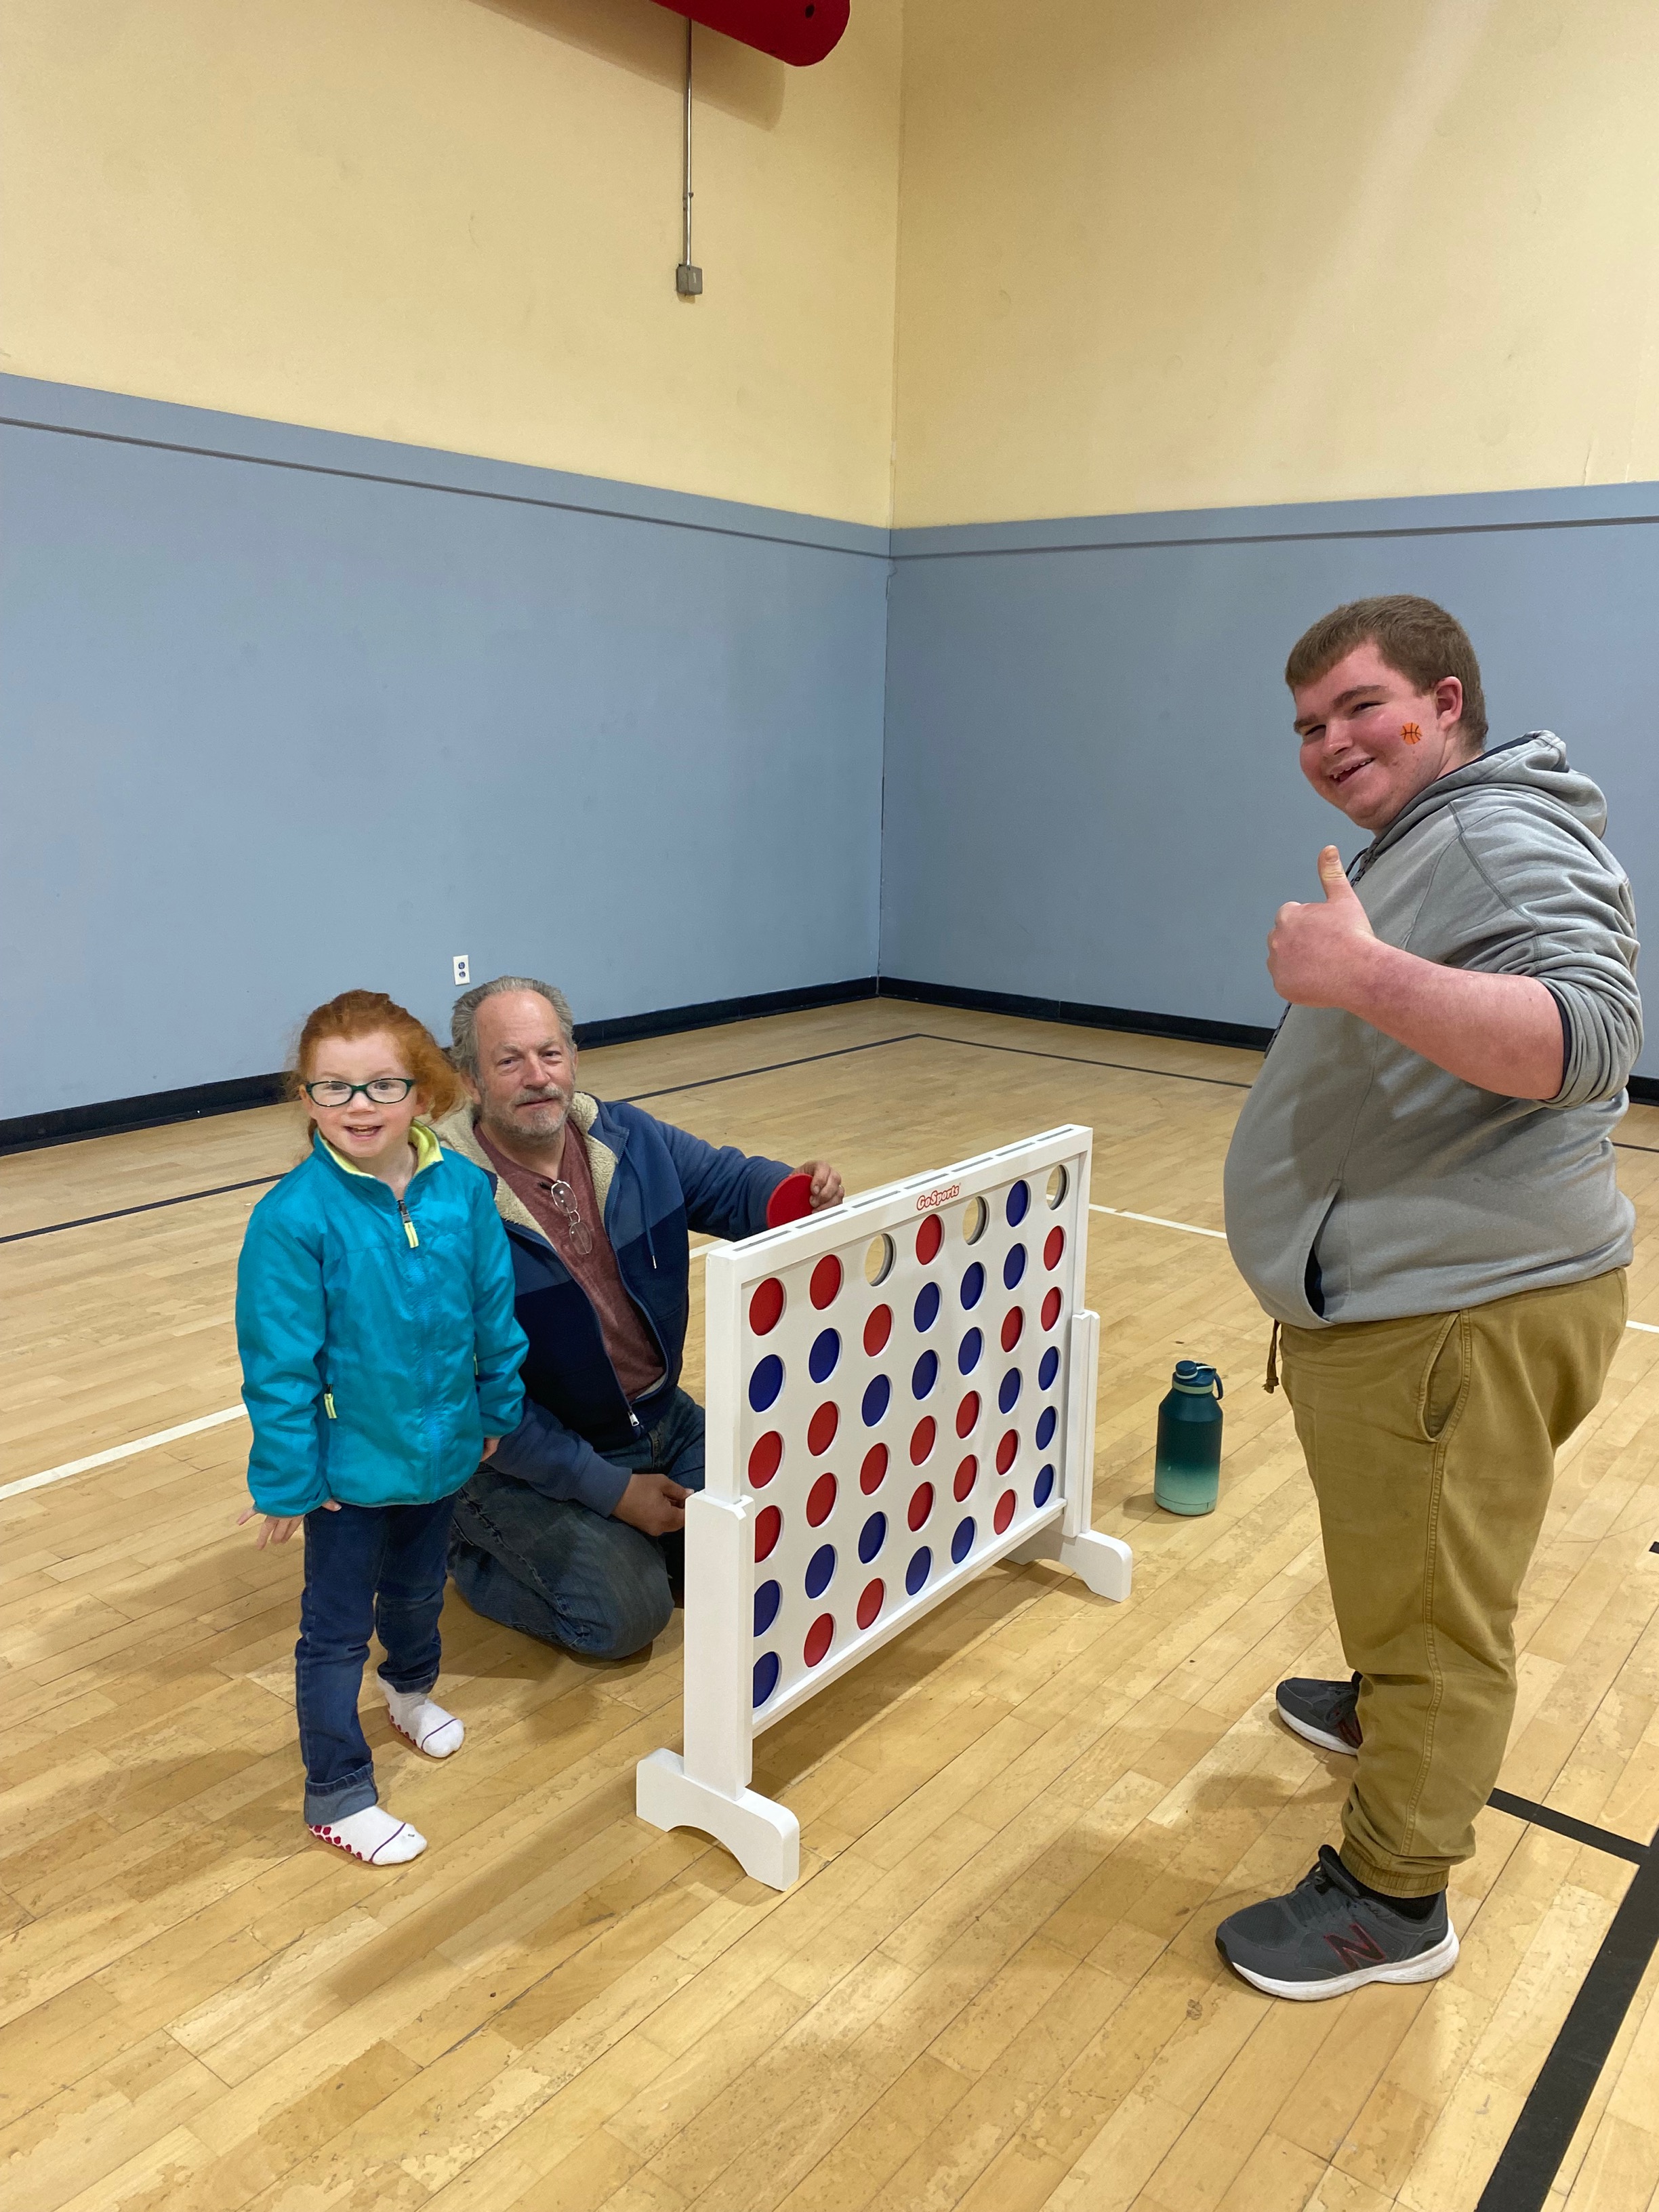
[1416, 639]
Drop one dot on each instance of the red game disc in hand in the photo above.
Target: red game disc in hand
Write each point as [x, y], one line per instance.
[791, 1201]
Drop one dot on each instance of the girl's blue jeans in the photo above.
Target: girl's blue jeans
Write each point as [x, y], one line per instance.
[367, 1567]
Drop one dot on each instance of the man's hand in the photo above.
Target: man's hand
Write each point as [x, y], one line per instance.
[1319, 955]
[826, 1183]
[651, 1503]
[491, 1443]
[279, 1526]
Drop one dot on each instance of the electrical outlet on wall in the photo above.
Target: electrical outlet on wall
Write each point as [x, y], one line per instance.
[463, 967]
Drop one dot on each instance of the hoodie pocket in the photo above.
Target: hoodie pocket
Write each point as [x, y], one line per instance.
[1310, 1281]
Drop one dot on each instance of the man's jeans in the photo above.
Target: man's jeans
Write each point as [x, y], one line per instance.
[379, 1567]
[560, 1572]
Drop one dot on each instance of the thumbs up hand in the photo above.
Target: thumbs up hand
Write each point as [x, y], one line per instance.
[1318, 953]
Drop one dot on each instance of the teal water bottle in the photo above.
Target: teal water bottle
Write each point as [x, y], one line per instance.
[1186, 1477]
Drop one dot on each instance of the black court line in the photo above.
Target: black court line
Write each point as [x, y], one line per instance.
[1581, 1832]
[1529, 2161]
[151, 1206]
[639, 1097]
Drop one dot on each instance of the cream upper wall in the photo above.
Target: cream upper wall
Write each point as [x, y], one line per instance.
[455, 223]
[1174, 253]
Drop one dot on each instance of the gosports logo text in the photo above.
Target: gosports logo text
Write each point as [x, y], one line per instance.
[943, 1196]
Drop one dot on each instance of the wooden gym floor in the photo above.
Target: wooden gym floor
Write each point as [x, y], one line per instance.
[995, 1986]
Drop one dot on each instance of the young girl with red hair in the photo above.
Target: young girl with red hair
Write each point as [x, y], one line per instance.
[379, 1363]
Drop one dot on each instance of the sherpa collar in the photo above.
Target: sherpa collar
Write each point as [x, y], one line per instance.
[459, 1133]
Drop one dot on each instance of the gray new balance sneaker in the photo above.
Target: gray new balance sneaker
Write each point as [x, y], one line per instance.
[1329, 1936]
[1325, 1713]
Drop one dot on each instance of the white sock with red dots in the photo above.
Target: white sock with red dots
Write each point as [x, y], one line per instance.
[427, 1727]
[375, 1836]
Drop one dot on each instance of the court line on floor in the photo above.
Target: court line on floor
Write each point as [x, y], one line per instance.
[774, 1068]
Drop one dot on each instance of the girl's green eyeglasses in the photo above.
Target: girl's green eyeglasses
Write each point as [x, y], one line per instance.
[334, 1090]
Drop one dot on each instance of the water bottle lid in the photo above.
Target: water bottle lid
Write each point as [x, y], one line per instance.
[1194, 1377]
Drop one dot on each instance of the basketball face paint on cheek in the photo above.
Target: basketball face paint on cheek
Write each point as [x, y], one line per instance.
[1412, 734]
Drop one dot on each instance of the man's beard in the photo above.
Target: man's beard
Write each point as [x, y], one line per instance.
[539, 1127]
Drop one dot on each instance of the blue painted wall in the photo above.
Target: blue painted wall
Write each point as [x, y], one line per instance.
[1091, 786]
[285, 711]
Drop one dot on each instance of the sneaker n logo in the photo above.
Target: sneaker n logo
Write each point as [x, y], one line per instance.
[1357, 1948]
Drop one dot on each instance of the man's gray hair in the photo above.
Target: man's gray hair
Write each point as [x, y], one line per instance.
[463, 1021]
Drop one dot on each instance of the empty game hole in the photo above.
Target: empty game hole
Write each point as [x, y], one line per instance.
[975, 1216]
[1055, 1188]
[826, 1285]
[878, 1260]
[766, 1307]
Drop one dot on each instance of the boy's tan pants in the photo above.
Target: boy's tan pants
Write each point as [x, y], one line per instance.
[1432, 1444]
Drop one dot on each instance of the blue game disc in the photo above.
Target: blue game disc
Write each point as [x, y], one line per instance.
[820, 1568]
[1049, 1369]
[969, 1350]
[766, 1381]
[973, 1286]
[766, 1676]
[767, 1598]
[1014, 1266]
[877, 1392]
[921, 1567]
[1019, 1197]
[963, 1542]
[926, 1308]
[1045, 1428]
[924, 1373]
[871, 1537]
[821, 1360]
[1042, 1490]
[1008, 1391]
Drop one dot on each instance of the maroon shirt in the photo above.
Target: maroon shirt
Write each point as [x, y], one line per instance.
[627, 1341]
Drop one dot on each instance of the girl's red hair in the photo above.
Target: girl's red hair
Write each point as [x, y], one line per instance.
[368, 1013]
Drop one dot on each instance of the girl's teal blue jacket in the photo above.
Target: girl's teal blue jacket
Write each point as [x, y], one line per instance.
[378, 1343]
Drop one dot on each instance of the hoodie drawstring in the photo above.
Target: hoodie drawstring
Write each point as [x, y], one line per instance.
[1271, 1383]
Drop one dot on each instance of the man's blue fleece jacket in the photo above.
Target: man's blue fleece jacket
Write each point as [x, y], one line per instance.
[655, 1184]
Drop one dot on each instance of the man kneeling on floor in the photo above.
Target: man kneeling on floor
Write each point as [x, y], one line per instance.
[1421, 1192]
[574, 1531]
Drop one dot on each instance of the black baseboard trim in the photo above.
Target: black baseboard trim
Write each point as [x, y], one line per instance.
[629, 1028]
[1644, 1091]
[112, 1117]
[1127, 1018]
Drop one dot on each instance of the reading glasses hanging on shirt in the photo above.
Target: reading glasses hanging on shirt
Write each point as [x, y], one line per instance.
[581, 1236]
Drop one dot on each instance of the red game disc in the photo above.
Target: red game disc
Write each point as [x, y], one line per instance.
[820, 1429]
[766, 1307]
[765, 1459]
[1051, 1306]
[819, 1637]
[1005, 1513]
[968, 1414]
[791, 1201]
[921, 1504]
[1054, 1245]
[1013, 1322]
[878, 1328]
[929, 1238]
[874, 1472]
[826, 1280]
[1006, 1451]
[869, 1603]
[820, 1501]
[768, 1526]
[921, 1440]
[967, 1476]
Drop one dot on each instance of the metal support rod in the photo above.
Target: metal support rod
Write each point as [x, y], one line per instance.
[686, 256]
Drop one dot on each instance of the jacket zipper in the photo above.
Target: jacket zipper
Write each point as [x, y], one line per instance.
[408, 1226]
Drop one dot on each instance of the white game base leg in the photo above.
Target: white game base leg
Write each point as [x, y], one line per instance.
[764, 1838]
[1105, 1564]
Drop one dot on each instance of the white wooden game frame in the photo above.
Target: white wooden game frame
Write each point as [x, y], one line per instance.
[706, 1787]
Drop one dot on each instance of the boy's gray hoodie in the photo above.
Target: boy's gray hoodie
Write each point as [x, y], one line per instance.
[1411, 1191]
